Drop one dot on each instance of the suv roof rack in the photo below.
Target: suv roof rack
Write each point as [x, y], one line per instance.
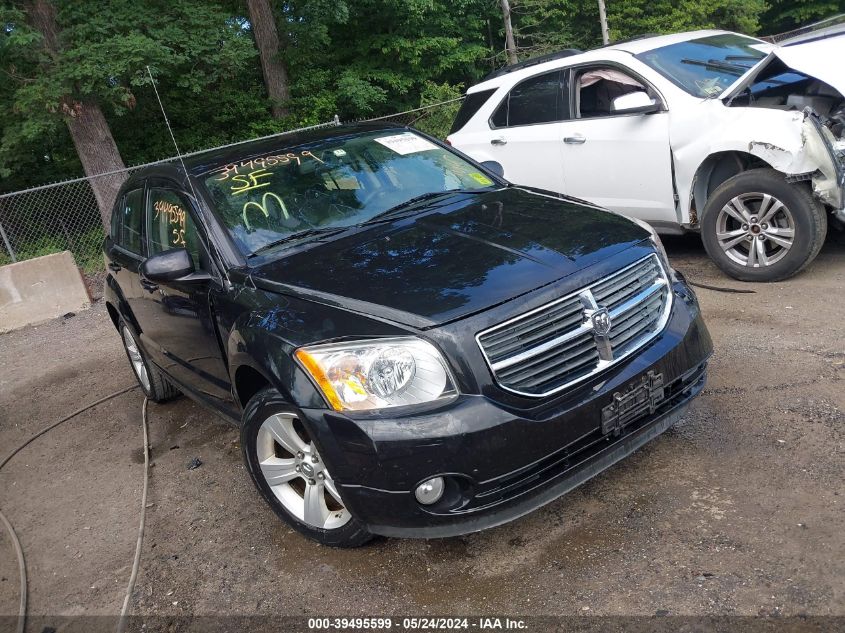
[541, 59]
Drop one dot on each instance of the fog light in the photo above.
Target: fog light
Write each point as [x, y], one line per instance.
[430, 491]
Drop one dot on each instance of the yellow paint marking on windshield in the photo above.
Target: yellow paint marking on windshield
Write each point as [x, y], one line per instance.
[262, 206]
[250, 181]
[261, 163]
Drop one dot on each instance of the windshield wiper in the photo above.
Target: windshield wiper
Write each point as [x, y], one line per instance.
[734, 69]
[293, 237]
[396, 210]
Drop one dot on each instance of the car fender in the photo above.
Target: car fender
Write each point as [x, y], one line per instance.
[251, 344]
[788, 141]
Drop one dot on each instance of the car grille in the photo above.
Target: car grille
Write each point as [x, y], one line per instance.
[548, 349]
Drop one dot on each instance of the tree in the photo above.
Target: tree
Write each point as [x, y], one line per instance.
[785, 15]
[510, 44]
[263, 24]
[85, 120]
[200, 51]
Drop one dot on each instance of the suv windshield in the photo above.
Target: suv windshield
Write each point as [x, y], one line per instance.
[706, 66]
[320, 187]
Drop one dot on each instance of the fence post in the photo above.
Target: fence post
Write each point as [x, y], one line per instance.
[6, 242]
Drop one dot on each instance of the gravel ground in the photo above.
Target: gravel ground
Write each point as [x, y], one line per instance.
[737, 510]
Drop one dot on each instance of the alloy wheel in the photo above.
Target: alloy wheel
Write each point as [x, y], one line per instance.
[295, 472]
[136, 359]
[755, 230]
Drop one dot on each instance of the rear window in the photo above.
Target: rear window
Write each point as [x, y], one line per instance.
[535, 100]
[472, 104]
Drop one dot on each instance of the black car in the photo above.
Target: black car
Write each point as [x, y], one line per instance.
[410, 345]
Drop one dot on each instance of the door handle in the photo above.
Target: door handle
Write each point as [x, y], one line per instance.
[115, 267]
[498, 141]
[575, 139]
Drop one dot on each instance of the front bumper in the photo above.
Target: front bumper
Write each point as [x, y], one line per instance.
[501, 462]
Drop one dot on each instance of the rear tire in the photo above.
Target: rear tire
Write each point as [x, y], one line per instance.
[758, 227]
[152, 381]
[289, 472]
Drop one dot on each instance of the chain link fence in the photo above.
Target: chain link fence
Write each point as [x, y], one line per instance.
[65, 215]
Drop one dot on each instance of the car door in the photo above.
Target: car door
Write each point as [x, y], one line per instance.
[621, 161]
[178, 321]
[126, 248]
[525, 135]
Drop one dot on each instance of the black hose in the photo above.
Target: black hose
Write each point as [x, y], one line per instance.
[742, 291]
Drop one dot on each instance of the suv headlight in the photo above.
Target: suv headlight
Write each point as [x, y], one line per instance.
[379, 373]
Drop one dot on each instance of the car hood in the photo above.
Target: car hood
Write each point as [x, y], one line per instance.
[821, 59]
[470, 253]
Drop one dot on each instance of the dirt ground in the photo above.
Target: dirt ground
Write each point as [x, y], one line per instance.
[737, 510]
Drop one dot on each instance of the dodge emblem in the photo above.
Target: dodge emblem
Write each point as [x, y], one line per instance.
[601, 321]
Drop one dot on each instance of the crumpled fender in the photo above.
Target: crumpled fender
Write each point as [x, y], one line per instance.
[786, 140]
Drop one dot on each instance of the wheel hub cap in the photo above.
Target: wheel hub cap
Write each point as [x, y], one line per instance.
[295, 472]
[755, 230]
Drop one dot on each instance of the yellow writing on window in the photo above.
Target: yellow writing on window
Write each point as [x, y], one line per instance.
[174, 214]
[263, 208]
[252, 180]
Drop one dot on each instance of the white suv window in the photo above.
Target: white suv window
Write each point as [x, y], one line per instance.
[535, 100]
[597, 86]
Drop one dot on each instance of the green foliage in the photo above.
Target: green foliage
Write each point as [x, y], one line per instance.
[354, 58]
[785, 15]
[437, 121]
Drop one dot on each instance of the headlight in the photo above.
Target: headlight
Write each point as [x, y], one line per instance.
[377, 374]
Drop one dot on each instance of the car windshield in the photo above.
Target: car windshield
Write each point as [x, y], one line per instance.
[704, 67]
[297, 192]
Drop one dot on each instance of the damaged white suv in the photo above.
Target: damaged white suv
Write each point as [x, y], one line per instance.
[708, 131]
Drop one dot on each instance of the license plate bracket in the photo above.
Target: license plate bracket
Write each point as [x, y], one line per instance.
[639, 399]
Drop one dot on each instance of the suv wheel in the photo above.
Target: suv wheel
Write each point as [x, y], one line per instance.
[154, 384]
[758, 227]
[288, 470]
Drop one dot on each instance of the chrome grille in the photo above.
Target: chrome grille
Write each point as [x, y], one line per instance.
[548, 349]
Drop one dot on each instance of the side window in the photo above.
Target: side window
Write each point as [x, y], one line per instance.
[170, 225]
[126, 227]
[535, 100]
[598, 86]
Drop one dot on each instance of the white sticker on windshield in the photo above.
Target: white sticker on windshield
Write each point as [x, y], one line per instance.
[406, 143]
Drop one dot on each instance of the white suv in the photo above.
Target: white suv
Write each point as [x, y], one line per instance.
[708, 131]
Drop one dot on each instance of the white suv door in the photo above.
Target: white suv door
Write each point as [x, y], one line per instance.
[524, 133]
[617, 160]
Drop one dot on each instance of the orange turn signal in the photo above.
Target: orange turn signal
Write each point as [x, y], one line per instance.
[310, 365]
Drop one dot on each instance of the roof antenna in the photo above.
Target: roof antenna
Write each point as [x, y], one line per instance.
[173, 138]
[199, 216]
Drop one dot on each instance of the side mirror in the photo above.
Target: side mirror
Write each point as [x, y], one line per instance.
[635, 103]
[495, 167]
[168, 266]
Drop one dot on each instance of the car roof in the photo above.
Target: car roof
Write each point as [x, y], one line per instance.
[634, 47]
[200, 163]
[206, 161]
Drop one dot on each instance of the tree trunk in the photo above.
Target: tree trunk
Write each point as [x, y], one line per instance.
[98, 152]
[88, 127]
[605, 36]
[510, 44]
[263, 24]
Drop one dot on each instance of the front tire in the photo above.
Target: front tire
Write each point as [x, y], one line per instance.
[290, 474]
[758, 227]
